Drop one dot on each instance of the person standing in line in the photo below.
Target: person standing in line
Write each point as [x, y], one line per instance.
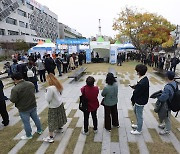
[167, 96]
[56, 113]
[41, 68]
[140, 97]
[50, 64]
[3, 110]
[32, 75]
[22, 95]
[110, 94]
[174, 62]
[91, 93]
[58, 62]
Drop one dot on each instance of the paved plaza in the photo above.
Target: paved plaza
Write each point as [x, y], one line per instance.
[119, 140]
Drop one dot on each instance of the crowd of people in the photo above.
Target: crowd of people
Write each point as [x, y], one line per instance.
[160, 61]
[23, 95]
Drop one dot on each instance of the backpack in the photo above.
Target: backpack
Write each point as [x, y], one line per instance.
[30, 73]
[174, 104]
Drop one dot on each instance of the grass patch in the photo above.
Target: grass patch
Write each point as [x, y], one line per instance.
[72, 113]
[159, 146]
[73, 140]
[121, 76]
[91, 146]
[133, 147]
[32, 145]
[88, 73]
[132, 116]
[125, 82]
[174, 125]
[9, 107]
[95, 73]
[7, 135]
[131, 77]
[154, 81]
[100, 84]
[114, 135]
[73, 122]
[78, 100]
[52, 147]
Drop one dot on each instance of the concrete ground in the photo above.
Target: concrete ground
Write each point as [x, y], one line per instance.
[118, 141]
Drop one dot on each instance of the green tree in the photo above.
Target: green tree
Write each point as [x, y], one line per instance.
[144, 30]
[21, 46]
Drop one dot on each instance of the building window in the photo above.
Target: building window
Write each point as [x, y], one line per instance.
[30, 6]
[22, 13]
[21, 24]
[10, 32]
[11, 21]
[21, 1]
[2, 31]
[23, 33]
[26, 25]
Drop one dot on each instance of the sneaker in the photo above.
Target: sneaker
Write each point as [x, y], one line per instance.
[134, 126]
[135, 132]
[95, 131]
[85, 133]
[48, 139]
[40, 132]
[161, 126]
[26, 138]
[164, 132]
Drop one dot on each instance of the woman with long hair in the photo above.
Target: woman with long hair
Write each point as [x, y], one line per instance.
[110, 94]
[56, 113]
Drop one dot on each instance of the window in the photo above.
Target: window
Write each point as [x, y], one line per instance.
[22, 33]
[2, 31]
[10, 32]
[22, 13]
[21, 24]
[21, 1]
[30, 6]
[26, 25]
[11, 21]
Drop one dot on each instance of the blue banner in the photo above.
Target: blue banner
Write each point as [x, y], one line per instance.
[72, 41]
[88, 56]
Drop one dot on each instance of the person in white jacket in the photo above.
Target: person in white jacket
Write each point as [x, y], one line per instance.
[56, 113]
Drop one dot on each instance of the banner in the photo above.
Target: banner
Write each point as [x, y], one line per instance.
[113, 55]
[72, 41]
[88, 56]
[72, 49]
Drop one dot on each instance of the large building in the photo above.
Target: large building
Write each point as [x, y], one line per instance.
[29, 21]
[67, 32]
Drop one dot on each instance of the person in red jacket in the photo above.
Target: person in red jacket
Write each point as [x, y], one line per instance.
[91, 93]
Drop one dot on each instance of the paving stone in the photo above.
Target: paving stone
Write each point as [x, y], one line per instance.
[106, 144]
[62, 146]
[18, 146]
[115, 149]
[42, 149]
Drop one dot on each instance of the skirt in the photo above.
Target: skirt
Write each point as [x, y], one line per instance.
[56, 118]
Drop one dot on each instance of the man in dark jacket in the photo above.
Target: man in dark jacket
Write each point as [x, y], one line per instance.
[50, 64]
[174, 62]
[3, 111]
[166, 96]
[140, 97]
[22, 94]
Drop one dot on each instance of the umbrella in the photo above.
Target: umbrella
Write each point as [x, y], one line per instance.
[162, 52]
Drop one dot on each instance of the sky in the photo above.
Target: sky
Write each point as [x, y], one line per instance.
[83, 15]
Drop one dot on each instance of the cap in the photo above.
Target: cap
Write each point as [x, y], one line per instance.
[170, 75]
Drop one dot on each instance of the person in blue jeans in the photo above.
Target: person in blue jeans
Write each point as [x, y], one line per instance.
[140, 97]
[22, 94]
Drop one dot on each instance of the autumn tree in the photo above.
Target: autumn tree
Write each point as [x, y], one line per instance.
[21, 46]
[144, 30]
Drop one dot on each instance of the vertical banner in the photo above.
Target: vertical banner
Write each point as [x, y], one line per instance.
[72, 49]
[113, 55]
[88, 56]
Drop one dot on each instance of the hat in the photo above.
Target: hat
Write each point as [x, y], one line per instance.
[170, 75]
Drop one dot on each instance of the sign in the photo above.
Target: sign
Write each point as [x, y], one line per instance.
[72, 49]
[72, 41]
[88, 56]
[113, 55]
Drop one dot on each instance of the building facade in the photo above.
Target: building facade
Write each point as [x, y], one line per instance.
[26, 20]
[67, 32]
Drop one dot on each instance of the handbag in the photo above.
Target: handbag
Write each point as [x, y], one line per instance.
[83, 104]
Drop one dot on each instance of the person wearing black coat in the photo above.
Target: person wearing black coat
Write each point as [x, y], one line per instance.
[140, 97]
[50, 64]
[3, 111]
